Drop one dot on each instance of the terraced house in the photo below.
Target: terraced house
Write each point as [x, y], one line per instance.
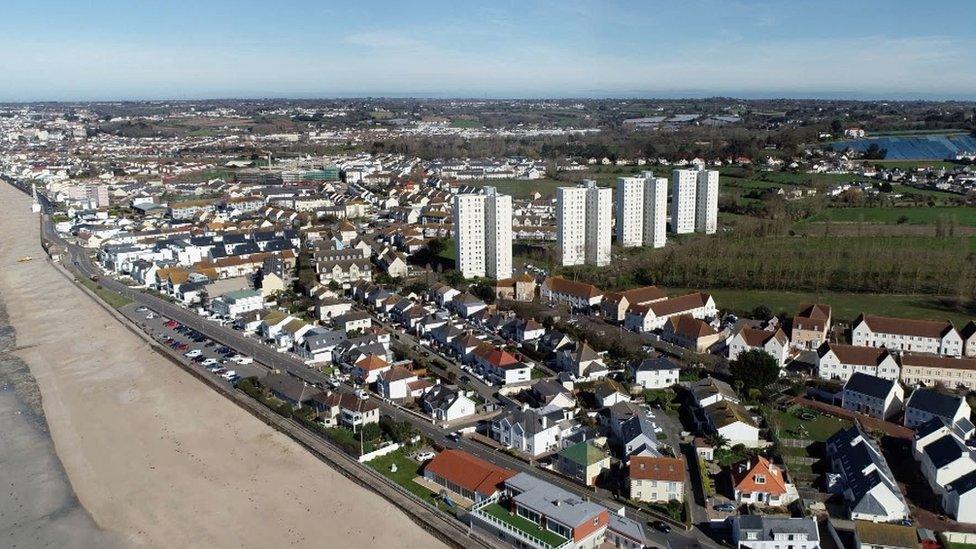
[901, 334]
[929, 370]
[838, 361]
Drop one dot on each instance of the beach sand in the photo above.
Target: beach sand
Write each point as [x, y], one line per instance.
[153, 455]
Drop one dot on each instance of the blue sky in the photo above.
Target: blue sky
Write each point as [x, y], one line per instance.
[139, 49]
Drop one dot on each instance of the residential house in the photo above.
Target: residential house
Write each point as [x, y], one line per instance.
[931, 370]
[944, 459]
[445, 403]
[925, 404]
[466, 475]
[367, 369]
[732, 421]
[864, 477]
[327, 307]
[520, 288]
[546, 392]
[772, 532]
[968, 335]
[289, 389]
[654, 316]
[774, 343]
[838, 361]
[690, 333]
[709, 390]
[498, 366]
[880, 535]
[234, 304]
[582, 361]
[871, 395]
[533, 431]
[625, 533]
[582, 462]
[810, 326]
[656, 373]
[616, 304]
[656, 479]
[346, 410]
[562, 518]
[576, 295]
[399, 383]
[902, 334]
[758, 481]
[353, 321]
[607, 392]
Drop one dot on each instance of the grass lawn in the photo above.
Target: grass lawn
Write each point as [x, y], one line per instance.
[951, 545]
[525, 525]
[407, 470]
[449, 251]
[819, 429]
[465, 123]
[108, 296]
[913, 216]
[846, 306]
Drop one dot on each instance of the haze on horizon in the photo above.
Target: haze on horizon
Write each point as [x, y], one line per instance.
[116, 50]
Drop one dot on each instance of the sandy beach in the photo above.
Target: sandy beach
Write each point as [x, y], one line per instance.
[155, 457]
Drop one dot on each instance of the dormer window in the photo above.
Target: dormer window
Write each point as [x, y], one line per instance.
[760, 479]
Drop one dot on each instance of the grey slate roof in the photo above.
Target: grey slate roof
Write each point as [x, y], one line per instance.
[934, 402]
[869, 385]
[554, 502]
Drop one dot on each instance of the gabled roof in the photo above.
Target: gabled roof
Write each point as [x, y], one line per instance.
[560, 285]
[371, 363]
[646, 294]
[468, 471]
[918, 328]
[755, 337]
[657, 468]
[925, 360]
[679, 304]
[867, 384]
[690, 327]
[934, 402]
[726, 412]
[850, 354]
[583, 453]
[746, 476]
[812, 316]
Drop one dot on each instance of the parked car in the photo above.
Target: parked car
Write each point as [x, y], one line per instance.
[209, 361]
[661, 526]
[193, 354]
[725, 507]
[241, 359]
[424, 456]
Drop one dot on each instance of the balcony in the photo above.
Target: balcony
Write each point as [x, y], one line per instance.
[490, 511]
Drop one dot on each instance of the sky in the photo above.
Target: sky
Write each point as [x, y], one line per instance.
[178, 49]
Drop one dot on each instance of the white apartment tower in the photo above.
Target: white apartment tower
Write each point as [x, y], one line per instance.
[630, 211]
[642, 204]
[684, 184]
[655, 210]
[599, 223]
[706, 210]
[483, 234]
[570, 225]
[583, 224]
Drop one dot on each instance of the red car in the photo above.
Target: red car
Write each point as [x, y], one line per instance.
[172, 324]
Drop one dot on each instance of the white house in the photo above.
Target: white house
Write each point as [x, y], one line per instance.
[773, 342]
[901, 334]
[656, 373]
[925, 404]
[865, 478]
[533, 431]
[653, 316]
[877, 397]
[837, 361]
[574, 294]
[771, 532]
[444, 403]
[234, 304]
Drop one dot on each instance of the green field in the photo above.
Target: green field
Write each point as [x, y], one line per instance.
[465, 123]
[961, 215]
[846, 306]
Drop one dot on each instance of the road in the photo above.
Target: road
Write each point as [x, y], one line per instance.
[79, 259]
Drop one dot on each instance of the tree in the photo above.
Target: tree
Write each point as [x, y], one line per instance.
[755, 369]
[717, 441]
[372, 431]
[762, 312]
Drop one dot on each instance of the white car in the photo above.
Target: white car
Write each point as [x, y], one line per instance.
[193, 354]
[241, 359]
[228, 374]
[424, 456]
[209, 362]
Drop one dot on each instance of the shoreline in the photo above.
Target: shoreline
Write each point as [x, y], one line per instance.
[154, 454]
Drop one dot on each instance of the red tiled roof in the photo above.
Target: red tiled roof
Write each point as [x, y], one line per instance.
[657, 468]
[919, 328]
[468, 471]
[744, 476]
